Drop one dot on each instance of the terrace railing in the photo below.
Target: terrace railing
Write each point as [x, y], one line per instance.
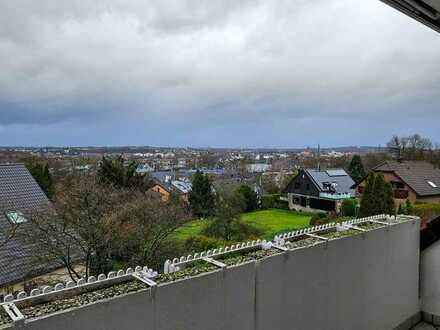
[147, 275]
[177, 264]
[48, 293]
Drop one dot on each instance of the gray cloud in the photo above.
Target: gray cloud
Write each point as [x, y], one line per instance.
[222, 60]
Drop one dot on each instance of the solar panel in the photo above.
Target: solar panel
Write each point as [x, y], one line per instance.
[336, 173]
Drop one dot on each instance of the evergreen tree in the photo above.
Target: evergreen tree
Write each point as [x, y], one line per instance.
[366, 199]
[356, 169]
[348, 207]
[390, 206]
[116, 172]
[402, 209]
[40, 172]
[409, 208]
[378, 196]
[250, 197]
[201, 197]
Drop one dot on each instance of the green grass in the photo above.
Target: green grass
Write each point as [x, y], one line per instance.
[271, 222]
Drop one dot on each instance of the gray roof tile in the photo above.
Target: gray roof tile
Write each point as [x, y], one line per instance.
[18, 192]
[415, 174]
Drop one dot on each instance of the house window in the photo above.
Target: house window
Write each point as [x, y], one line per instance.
[397, 185]
[308, 186]
[16, 217]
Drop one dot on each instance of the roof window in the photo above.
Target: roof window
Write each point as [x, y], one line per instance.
[432, 184]
[16, 217]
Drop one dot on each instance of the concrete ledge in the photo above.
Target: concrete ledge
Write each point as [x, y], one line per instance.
[431, 318]
[410, 322]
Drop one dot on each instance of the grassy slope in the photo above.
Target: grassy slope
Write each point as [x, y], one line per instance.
[271, 222]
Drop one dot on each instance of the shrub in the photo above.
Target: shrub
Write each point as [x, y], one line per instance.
[250, 197]
[273, 202]
[319, 219]
[409, 208]
[402, 209]
[227, 223]
[200, 243]
[426, 210]
[348, 207]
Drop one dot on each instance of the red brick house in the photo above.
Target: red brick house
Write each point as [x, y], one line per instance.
[412, 180]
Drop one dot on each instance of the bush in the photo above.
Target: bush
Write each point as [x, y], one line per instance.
[425, 210]
[348, 207]
[273, 202]
[250, 197]
[200, 243]
[319, 219]
[402, 209]
[236, 230]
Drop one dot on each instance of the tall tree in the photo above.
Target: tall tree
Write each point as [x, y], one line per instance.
[40, 172]
[116, 172]
[378, 195]
[201, 197]
[412, 147]
[390, 205]
[227, 223]
[356, 169]
[250, 197]
[366, 199]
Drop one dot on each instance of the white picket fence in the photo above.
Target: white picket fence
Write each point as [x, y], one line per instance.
[177, 264]
[81, 285]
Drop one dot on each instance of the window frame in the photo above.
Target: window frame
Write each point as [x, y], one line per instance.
[16, 217]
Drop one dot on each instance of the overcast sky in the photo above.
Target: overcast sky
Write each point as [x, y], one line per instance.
[286, 73]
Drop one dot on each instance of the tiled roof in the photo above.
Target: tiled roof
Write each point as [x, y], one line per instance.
[18, 192]
[421, 176]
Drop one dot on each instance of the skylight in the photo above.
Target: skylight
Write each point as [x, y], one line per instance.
[432, 184]
[16, 217]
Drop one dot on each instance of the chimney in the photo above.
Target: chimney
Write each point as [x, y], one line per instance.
[319, 157]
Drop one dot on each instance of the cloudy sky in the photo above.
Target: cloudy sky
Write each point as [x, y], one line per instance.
[286, 73]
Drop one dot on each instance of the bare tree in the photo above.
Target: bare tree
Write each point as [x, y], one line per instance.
[412, 147]
[141, 228]
[96, 224]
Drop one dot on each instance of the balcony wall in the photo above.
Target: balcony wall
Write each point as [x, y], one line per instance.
[366, 281]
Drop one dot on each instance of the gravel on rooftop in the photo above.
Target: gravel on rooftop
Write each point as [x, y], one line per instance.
[82, 299]
[4, 318]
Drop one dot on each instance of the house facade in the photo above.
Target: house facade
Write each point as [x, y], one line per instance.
[321, 190]
[167, 184]
[416, 181]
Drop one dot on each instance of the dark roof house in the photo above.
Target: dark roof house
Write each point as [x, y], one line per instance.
[320, 189]
[20, 195]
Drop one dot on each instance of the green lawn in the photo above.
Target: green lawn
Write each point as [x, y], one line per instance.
[271, 222]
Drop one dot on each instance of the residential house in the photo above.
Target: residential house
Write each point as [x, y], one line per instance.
[417, 181]
[314, 189]
[20, 196]
[166, 184]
